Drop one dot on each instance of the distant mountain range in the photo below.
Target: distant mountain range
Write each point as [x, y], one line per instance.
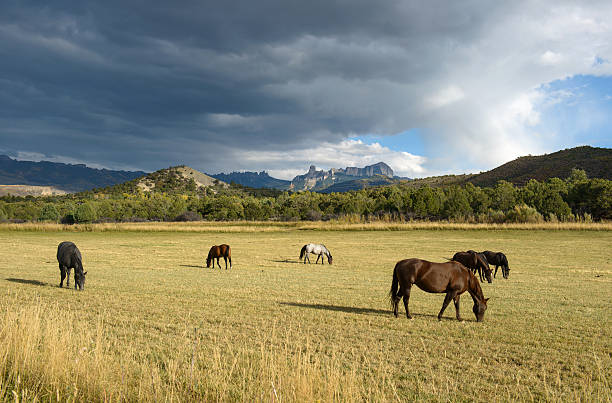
[66, 177]
[58, 178]
[254, 180]
[312, 180]
[320, 180]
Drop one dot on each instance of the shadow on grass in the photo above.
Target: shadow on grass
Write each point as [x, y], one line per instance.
[361, 311]
[24, 281]
[191, 265]
[285, 261]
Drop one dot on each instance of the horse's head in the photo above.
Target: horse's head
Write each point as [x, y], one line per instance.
[480, 306]
[329, 258]
[208, 260]
[484, 265]
[79, 280]
[506, 272]
[504, 262]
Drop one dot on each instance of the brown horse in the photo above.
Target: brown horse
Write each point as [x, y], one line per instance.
[219, 251]
[450, 277]
[475, 262]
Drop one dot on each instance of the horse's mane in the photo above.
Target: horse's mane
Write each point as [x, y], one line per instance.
[474, 286]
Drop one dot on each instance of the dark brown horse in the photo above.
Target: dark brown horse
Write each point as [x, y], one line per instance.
[450, 277]
[68, 257]
[476, 263]
[219, 251]
[498, 259]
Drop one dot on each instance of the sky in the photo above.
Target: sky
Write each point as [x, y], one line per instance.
[429, 88]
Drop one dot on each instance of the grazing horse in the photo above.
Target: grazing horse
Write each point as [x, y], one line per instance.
[498, 259]
[474, 262]
[219, 251]
[451, 278]
[69, 257]
[315, 249]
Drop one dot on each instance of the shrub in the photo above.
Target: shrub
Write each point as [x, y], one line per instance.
[188, 216]
[523, 214]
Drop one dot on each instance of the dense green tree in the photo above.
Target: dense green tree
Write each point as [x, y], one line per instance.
[456, 203]
[85, 213]
[503, 196]
[49, 213]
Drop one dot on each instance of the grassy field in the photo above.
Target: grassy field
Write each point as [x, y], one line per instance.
[153, 324]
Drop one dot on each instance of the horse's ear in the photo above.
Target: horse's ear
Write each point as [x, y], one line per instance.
[85, 273]
[487, 299]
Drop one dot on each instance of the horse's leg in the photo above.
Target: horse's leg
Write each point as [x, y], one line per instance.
[68, 276]
[307, 258]
[495, 274]
[447, 299]
[230, 259]
[63, 274]
[395, 301]
[456, 300]
[225, 258]
[318, 256]
[406, 299]
[218, 264]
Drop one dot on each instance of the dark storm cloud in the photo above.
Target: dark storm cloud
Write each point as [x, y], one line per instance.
[147, 84]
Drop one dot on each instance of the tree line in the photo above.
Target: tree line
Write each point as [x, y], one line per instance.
[575, 198]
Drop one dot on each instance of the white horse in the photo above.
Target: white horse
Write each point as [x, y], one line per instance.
[315, 249]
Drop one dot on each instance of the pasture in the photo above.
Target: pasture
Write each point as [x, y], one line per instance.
[154, 324]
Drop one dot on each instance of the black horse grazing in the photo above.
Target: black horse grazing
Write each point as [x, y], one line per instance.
[498, 259]
[219, 251]
[474, 262]
[69, 257]
[450, 277]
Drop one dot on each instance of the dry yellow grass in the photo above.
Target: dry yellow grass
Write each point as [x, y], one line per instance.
[154, 325]
[274, 226]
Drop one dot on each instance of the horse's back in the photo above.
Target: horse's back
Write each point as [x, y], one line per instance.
[225, 250]
[220, 251]
[466, 258]
[66, 252]
[432, 276]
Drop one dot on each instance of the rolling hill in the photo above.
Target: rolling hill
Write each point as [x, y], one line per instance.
[173, 180]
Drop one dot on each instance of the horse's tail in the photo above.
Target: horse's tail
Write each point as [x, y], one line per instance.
[303, 251]
[394, 288]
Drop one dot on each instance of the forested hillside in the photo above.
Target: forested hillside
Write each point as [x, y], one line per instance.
[596, 162]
